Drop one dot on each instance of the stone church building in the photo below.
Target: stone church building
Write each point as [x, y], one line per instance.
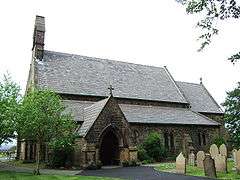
[117, 104]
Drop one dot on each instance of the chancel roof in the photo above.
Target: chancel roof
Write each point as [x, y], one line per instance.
[138, 114]
[164, 115]
[199, 98]
[81, 75]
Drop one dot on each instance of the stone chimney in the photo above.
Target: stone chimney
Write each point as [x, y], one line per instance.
[38, 37]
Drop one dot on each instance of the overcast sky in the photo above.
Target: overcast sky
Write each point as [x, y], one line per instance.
[148, 32]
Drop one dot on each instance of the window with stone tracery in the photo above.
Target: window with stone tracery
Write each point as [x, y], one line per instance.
[169, 141]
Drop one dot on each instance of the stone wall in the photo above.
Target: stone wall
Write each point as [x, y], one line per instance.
[142, 130]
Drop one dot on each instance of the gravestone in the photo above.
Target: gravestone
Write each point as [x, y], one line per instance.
[214, 150]
[181, 164]
[238, 161]
[223, 150]
[209, 166]
[234, 151]
[221, 163]
[200, 158]
[191, 159]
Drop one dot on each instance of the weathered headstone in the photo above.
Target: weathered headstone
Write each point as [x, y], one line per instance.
[214, 150]
[221, 163]
[238, 161]
[200, 158]
[181, 164]
[234, 151]
[209, 167]
[191, 159]
[223, 150]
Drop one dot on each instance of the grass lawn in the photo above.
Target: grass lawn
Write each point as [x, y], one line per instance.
[194, 171]
[20, 176]
[19, 163]
[3, 155]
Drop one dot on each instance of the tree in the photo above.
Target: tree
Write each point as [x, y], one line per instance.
[9, 103]
[152, 148]
[232, 115]
[212, 12]
[44, 120]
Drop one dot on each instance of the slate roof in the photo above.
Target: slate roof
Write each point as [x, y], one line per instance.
[138, 114]
[77, 108]
[199, 98]
[90, 114]
[164, 115]
[81, 75]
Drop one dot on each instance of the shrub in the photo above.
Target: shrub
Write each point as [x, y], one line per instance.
[125, 164]
[147, 161]
[132, 163]
[142, 154]
[60, 158]
[219, 141]
[152, 148]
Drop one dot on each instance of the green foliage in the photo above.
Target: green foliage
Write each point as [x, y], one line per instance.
[130, 163]
[9, 104]
[62, 151]
[219, 141]
[152, 148]
[232, 115]
[44, 120]
[212, 11]
[142, 154]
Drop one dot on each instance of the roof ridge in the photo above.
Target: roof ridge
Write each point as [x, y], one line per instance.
[97, 58]
[188, 82]
[175, 84]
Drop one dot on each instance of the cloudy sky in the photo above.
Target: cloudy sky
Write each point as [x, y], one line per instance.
[148, 32]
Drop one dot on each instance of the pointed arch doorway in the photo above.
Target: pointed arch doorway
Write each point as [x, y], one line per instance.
[109, 148]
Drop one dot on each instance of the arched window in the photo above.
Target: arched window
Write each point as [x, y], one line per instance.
[199, 139]
[166, 141]
[136, 135]
[171, 141]
[204, 139]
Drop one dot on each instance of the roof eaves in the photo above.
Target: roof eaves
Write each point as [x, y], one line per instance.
[96, 116]
[217, 123]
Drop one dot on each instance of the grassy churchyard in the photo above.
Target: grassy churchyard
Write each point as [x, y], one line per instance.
[195, 171]
[27, 176]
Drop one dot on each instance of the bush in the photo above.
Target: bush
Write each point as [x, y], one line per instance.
[60, 158]
[147, 161]
[142, 154]
[125, 164]
[219, 141]
[132, 163]
[152, 148]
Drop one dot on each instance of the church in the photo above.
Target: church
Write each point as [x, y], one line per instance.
[117, 104]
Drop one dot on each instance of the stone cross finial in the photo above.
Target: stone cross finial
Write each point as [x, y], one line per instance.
[111, 89]
[200, 80]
